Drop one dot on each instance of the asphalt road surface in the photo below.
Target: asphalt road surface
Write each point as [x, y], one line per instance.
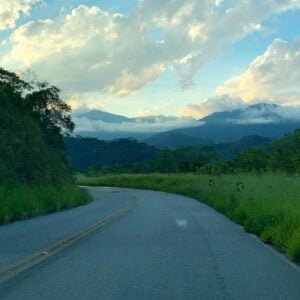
[168, 247]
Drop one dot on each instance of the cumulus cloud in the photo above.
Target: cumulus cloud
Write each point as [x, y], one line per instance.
[89, 49]
[10, 11]
[274, 75]
[137, 125]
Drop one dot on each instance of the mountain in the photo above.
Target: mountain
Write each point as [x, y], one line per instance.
[173, 140]
[155, 119]
[112, 135]
[261, 119]
[107, 126]
[229, 150]
[97, 115]
[249, 142]
[226, 133]
[253, 114]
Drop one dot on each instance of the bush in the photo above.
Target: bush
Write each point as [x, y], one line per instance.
[23, 201]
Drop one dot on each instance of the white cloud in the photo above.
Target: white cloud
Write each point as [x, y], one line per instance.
[289, 112]
[11, 10]
[269, 114]
[89, 49]
[138, 125]
[274, 75]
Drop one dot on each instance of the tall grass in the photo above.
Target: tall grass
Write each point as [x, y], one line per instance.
[269, 205]
[23, 201]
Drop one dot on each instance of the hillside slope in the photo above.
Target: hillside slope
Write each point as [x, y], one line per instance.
[226, 133]
[173, 140]
[35, 176]
[229, 151]
[84, 153]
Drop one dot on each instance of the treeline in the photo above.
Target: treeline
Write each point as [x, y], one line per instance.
[33, 119]
[282, 155]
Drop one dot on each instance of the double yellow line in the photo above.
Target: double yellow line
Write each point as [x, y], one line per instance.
[22, 265]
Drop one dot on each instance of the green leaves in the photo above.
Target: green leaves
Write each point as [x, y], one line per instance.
[52, 111]
[285, 153]
[32, 118]
[12, 84]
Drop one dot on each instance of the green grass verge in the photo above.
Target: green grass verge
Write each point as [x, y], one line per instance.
[24, 201]
[269, 205]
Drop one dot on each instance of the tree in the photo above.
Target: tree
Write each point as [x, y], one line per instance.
[191, 159]
[253, 159]
[165, 161]
[52, 111]
[285, 153]
[33, 118]
[12, 84]
[41, 98]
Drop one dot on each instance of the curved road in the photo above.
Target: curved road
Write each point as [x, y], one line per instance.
[168, 247]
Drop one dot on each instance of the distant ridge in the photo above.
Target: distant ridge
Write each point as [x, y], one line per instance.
[260, 113]
[108, 126]
[173, 140]
[229, 150]
[226, 133]
[98, 115]
[262, 119]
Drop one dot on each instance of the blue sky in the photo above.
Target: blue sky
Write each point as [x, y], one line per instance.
[182, 57]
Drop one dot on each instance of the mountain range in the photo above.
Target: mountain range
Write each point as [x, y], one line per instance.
[262, 119]
[260, 113]
[98, 115]
[108, 126]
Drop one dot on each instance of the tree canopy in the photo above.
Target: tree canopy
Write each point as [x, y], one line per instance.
[33, 119]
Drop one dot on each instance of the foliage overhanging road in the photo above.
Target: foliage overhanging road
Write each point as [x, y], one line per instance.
[169, 247]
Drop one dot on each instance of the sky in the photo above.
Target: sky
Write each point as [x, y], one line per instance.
[186, 58]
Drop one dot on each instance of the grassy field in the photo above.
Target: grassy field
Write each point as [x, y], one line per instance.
[268, 206]
[23, 201]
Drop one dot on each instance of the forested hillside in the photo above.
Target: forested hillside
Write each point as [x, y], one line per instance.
[121, 153]
[33, 118]
[250, 154]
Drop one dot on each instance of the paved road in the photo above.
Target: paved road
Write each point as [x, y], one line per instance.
[169, 247]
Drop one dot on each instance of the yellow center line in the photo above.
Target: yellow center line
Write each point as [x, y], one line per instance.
[24, 264]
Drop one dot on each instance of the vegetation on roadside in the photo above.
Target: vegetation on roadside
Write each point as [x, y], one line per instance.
[35, 176]
[20, 201]
[267, 205]
[265, 199]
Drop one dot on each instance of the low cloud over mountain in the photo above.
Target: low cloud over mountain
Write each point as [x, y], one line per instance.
[97, 120]
[266, 119]
[261, 113]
